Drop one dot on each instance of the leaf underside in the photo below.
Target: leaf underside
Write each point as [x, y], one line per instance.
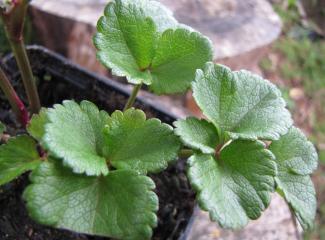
[236, 187]
[143, 42]
[120, 205]
[242, 104]
[17, 156]
[139, 144]
[74, 134]
[296, 158]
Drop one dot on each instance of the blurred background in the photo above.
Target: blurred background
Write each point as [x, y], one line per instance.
[283, 40]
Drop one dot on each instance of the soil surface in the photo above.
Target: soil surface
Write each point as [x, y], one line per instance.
[176, 200]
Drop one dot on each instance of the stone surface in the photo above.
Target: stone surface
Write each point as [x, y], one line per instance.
[234, 26]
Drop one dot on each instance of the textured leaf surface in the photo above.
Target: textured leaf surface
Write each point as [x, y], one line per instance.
[236, 187]
[241, 103]
[19, 155]
[296, 158]
[179, 53]
[36, 126]
[198, 134]
[120, 205]
[75, 134]
[139, 144]
[161, 15]
[125, 40]
[295, 152]
[142, 41]
[2, 128]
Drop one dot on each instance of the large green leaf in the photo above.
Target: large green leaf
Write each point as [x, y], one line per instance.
[179, 53]
[242, 104]
[17, 156]
[36, 126]
[120, 205]
[139, 144]
[75, 134]
[133, 40]
[236, 187]
[296, 158]
[197, 134]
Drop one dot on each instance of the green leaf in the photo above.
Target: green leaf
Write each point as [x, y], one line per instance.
[2, 128]
[125, 41]
[294, 152]
[179, 53]
[120, 205]
[133, 40]
[36, 126]
[75, 134]
[242, 104]
[161, 15]
[237, 186]
[19, 155]
[296, 158]
[139, 144]
[197, 134]
[300, 194]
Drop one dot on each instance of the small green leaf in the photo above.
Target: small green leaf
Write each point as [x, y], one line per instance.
[139, 144]
[75, 134]
[296, 158]
[125, 41]
[2, 128]
[197, 134]
[19, 155]
[237, 186]
[242, 104]
[133, 40]
[36, 126]
[120, 205]
[179, 53]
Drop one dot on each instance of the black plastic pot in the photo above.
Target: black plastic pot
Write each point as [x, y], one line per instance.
[59, 79]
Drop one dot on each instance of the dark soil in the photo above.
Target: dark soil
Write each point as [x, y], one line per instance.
[58, 81]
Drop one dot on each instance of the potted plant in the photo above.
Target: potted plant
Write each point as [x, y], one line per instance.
[91, 170]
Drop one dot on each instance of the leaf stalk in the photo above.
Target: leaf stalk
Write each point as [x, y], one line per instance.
[132, 97]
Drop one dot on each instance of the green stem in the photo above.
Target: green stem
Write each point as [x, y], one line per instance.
[19, 51]
[132, 97]
[16, 104]
[185, 153]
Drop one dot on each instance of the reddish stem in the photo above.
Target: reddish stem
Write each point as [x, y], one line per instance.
[17, 105]
[13, 21]
[24, 116]
[218, 150]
